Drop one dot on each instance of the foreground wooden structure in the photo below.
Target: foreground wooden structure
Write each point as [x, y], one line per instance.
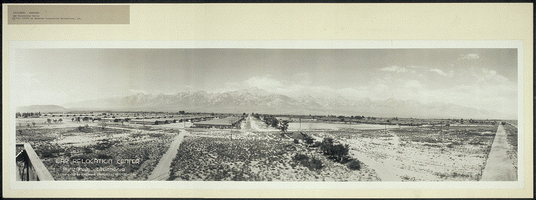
[29, 166]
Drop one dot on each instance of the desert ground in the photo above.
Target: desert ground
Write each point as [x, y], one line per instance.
[87, 150]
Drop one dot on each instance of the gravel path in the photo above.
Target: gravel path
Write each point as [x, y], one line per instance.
[499, 165]
[162, 169]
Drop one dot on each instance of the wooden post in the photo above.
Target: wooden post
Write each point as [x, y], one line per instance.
[231, 122]
[27, 166]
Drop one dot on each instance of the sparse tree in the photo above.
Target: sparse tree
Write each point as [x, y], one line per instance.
[103, 124]
[283, 126]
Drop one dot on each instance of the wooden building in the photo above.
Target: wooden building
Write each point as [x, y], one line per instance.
[224, 123]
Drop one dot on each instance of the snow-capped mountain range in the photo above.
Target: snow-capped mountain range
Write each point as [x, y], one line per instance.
[261, 101]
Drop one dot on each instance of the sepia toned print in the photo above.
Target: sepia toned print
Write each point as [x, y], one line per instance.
[231, 114]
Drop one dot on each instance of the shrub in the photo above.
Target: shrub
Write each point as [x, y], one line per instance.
[336, 152]
[315, 164]
[81, 157]
[354, 165]
[50, 151]
[345, 159]
[84, 129]
[431, 140]
[310, 163]
[316, 144]
[156, 135]
[300, 157]
[296, 141]
[103, 156]
[136, 135]
[104, 145]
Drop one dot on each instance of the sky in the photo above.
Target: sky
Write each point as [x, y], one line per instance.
[480, 78]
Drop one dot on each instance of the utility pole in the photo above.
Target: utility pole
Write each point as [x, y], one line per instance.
[300, 124]
[231, 122]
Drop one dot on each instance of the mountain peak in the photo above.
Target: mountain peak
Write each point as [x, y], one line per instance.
[255, 99]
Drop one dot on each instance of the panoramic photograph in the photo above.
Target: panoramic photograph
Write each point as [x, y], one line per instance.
[259, 114]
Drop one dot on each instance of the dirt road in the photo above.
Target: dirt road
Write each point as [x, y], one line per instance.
[499, 166]
[162, 169]
[257, 125]
[384, 171]
[246, 125]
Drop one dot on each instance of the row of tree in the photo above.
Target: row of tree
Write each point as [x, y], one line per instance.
[27, 114]
[270, 120]
[256, 115]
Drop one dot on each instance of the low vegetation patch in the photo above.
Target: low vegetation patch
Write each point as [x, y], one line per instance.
[336, 152]
[111, 149]
[85, 129]
[457, 176]
[217, 159]
[354, 165]
[311, 163]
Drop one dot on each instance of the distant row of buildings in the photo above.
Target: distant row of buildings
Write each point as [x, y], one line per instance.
[199, 122]
[223, 123]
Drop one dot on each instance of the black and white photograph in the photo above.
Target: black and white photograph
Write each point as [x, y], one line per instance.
[267, 114]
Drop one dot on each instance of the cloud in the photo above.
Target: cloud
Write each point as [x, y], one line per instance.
[229, 86]
[413, 84]
[265, 82]
[471, 56]
[303, 78]
[394, 68]
[485, 89]
[484, 75]
[502, 98]
[438, 71]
